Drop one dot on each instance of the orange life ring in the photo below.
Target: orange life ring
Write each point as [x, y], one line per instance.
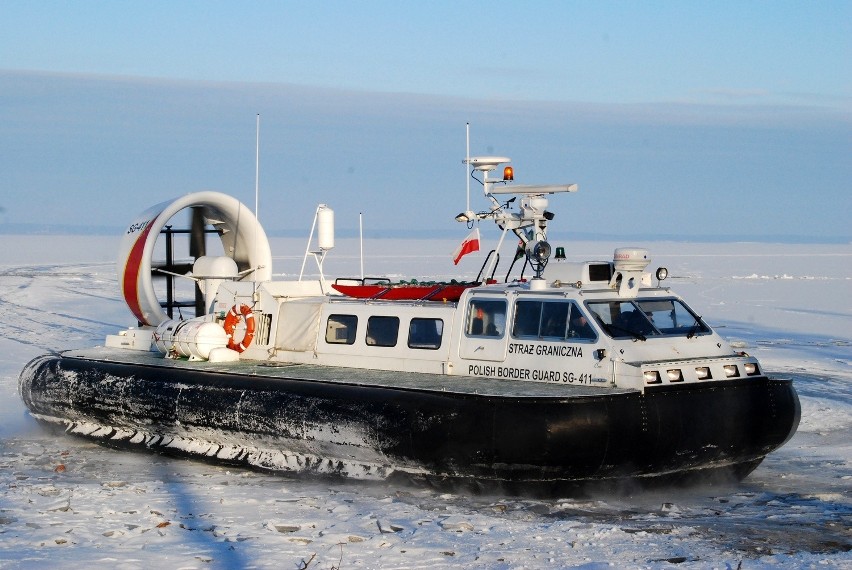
[234, 315]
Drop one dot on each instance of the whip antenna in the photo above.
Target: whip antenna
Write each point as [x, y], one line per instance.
[257, 167]
[467, 163]
[256, 189]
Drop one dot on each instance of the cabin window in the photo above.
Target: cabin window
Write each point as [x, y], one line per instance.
[486, 317]
[579, 326]
[527, 319]
[425, 333]
[672, 317]
[622, 319]
[340, 329]
[550, 320]
[382, 331]
[649, 317]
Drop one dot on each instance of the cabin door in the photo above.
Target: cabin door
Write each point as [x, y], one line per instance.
[485, 335]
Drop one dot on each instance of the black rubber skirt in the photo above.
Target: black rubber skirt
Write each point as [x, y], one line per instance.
[290, 423]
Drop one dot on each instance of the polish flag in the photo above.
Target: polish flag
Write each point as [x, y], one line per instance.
[470, 244]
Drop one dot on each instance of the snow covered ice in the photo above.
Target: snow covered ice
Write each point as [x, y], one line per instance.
[66, 501]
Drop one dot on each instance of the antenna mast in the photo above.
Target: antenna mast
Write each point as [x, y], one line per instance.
[256, 189]
[467, 163]
[257, 166]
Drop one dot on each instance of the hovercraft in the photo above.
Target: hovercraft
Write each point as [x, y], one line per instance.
[576, 372]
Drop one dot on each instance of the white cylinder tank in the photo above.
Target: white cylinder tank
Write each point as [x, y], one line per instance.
[192, 339]
[325, 227]
[631, 259]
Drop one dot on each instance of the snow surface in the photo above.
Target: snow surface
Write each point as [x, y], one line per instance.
[68, 502]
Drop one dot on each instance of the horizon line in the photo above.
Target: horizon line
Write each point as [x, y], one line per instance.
[28, 229]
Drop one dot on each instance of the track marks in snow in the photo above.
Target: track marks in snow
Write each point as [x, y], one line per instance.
[46, 306]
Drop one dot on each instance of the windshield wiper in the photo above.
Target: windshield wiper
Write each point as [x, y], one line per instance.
[695, 328]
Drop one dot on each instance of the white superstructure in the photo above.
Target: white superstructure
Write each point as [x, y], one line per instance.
[598, 323]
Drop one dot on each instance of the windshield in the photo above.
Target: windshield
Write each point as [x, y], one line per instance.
[643, 318]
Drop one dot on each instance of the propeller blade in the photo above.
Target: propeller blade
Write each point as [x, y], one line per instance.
[197, 235]
[198, 248]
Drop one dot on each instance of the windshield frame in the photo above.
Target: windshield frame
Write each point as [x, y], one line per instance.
[627, 318]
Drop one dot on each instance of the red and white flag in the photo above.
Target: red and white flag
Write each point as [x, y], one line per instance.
[469, 245]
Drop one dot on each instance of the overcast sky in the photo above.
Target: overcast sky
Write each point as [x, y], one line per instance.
[683, 119]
